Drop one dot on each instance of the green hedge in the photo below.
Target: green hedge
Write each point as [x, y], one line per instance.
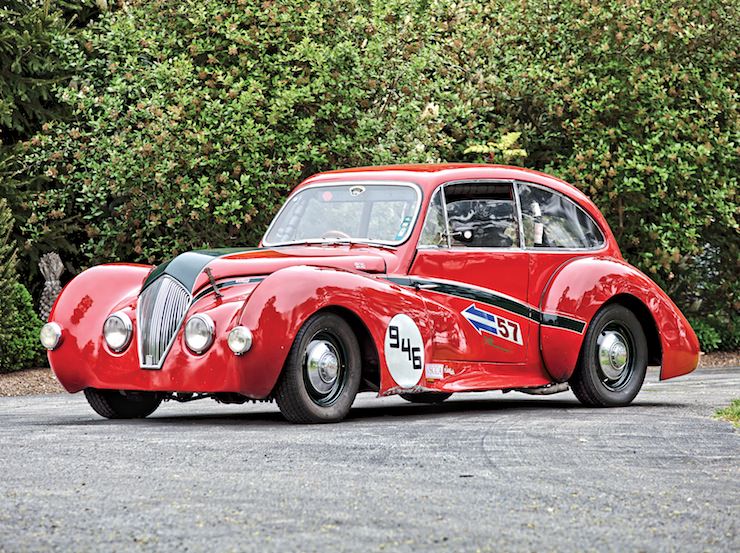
[19, 325]
[192, 120]
[19, 336]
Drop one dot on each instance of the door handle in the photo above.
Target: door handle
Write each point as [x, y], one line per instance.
[427, 286]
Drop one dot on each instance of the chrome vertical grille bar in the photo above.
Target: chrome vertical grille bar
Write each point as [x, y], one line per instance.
[160, 313]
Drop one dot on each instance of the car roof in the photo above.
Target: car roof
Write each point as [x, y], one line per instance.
[430, 175]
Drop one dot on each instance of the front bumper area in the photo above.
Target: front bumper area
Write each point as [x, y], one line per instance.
[83, 359]
[218, 370]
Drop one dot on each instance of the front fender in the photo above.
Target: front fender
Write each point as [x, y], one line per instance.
[81, 309]
[281, 304]
[582, 286]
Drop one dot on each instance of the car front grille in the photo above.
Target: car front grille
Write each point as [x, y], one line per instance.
[160, 313]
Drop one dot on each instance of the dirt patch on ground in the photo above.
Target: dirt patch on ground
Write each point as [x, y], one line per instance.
[26, 383]
[42, 381]
[720, 359]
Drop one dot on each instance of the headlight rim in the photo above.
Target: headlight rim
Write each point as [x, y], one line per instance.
[57, 332]
[211, 329]
[128, 326]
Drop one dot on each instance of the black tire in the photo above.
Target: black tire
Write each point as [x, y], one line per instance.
[114, 404]
[306, 392]
[426, 397]
[601, 379]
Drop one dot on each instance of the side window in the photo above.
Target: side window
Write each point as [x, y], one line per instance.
[479, 216]
[433, 233]
[551, 220]
[482, 215]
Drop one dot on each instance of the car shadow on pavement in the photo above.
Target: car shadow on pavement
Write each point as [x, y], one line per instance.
[478, 406]
[449, 409]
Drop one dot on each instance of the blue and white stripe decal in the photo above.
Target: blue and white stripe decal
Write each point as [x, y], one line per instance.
[484, 321]
[481, 320]
[492, 298]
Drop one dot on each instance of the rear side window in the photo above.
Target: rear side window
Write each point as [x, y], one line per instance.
[551, 220]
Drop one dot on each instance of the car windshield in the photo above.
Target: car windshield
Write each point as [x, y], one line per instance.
[382, 213]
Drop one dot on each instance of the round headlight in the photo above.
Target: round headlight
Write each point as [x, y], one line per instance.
[240, 339]
[50, 335]
[199, 332]
[117, 331]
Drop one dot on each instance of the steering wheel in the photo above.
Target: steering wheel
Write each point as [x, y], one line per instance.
[336, 235]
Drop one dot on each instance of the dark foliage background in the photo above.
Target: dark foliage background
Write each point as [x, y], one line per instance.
[167, 126]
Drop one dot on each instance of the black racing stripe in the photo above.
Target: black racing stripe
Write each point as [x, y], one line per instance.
[493, 299]
[562, 322]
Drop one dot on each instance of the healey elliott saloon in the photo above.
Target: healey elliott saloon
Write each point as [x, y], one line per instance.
[415, 280]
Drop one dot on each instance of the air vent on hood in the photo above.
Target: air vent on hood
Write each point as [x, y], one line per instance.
[160, 313]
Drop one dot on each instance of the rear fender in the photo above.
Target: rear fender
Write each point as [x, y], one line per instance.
[283, 302]
[581, 287]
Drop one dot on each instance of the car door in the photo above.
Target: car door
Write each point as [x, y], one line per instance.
[470, 262]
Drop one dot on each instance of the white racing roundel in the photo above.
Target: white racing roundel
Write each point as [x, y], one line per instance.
[404, 351]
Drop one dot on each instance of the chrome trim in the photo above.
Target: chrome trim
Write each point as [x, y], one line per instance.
[128, 325]
[613, 354]
[522, 246]
[322, 365]
[441, 190]
[318, 241]
[520, 219]
[426, 218]
[167, 316]
[211, 331]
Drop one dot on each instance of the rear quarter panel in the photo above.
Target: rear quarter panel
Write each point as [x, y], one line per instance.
[582, 286]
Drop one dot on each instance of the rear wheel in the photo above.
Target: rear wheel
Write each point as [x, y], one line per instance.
[115, 404]
[426, 397]
[321, 375]
[613, 360]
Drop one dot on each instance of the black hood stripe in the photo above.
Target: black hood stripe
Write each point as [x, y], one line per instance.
[493, 299]
[186, 267]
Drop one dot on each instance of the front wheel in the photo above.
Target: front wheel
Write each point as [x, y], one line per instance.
[613, 360]
[114, 404]
[321, 375]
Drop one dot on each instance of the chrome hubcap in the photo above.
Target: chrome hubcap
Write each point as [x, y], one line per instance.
[614, 355]
[322, 366]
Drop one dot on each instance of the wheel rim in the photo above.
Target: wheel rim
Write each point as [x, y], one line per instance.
[324, 369]
[615, 356]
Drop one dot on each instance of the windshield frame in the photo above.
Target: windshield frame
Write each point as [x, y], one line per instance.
[356, 241]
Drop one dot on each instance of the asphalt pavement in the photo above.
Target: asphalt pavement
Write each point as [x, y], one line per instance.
[481, 472]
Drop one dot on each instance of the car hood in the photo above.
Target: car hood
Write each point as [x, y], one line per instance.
[190, 268]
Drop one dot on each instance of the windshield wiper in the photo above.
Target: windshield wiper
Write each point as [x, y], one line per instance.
[340, 242]
[362, 243]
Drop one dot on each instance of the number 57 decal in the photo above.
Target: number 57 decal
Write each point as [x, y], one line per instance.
[484, 321]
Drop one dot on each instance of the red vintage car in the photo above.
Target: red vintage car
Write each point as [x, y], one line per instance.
[420, 280]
